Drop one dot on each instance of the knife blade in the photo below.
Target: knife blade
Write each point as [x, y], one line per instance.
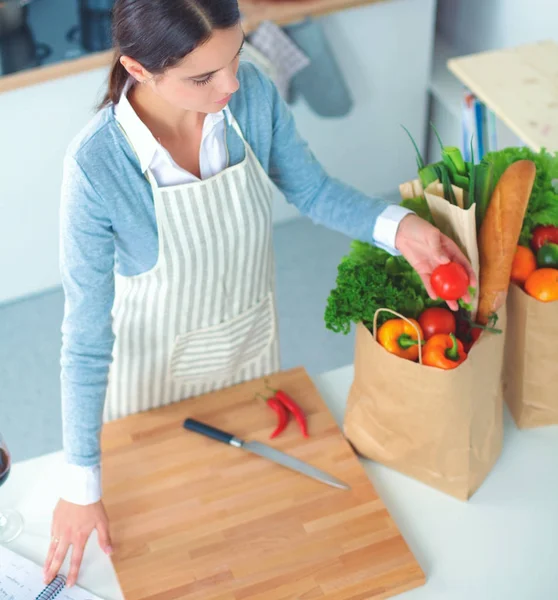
[265, 451]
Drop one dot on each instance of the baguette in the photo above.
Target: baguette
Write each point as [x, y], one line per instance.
[499, 235]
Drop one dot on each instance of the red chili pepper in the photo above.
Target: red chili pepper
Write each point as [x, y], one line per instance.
[294, 408]
[282, 415]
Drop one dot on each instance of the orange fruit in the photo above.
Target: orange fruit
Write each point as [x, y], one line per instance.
[542, 284]
[524, 263]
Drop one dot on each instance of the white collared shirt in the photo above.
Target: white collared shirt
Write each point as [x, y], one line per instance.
[152, 155]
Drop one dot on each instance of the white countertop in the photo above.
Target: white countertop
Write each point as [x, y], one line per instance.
[501, 545]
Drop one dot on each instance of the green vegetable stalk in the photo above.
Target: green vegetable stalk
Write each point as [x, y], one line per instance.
[484, 186]
[427, 173]
[471, 167]
[454, 162]
[420, 207]
[447, 185]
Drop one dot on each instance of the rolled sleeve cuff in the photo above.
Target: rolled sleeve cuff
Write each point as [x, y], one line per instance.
[81, 485]
[385, 228]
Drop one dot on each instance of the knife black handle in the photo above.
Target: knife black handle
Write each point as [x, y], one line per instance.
[207, 430]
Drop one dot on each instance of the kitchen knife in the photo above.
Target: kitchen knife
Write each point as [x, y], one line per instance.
[266, 452]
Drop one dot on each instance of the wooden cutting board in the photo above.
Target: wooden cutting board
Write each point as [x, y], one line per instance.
[196, 519]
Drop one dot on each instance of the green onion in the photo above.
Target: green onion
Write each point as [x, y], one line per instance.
[452, 157]
[420, 161]
[472, 170]
[484, 173]
[461, 181]
[427, 175]
[446, 183]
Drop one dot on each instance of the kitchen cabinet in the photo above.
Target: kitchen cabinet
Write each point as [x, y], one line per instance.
[39, 48]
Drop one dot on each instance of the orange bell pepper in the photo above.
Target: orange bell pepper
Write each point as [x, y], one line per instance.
[400, 338]
[443, 351]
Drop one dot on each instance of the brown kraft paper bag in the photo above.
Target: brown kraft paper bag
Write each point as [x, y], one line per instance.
[443, 428]
[531, 360]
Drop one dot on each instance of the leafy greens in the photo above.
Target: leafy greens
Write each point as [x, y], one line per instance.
[370, 278]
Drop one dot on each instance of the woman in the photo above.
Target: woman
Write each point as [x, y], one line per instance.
[166, 253]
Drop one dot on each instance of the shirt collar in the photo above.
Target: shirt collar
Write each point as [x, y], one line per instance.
[142, 140]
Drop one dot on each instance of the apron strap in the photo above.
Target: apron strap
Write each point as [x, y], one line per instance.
[236, 127]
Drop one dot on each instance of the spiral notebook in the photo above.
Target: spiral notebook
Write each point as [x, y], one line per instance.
[22, 579]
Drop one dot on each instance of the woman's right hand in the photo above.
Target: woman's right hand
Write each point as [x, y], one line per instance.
[72, 525]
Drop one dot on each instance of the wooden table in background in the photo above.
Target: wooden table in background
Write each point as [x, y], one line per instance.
[520, 85]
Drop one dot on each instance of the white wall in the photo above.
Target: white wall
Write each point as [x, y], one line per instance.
[479, 25]
[36, 125]
[384, 50]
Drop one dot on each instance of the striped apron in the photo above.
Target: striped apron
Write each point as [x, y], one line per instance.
[204, 317]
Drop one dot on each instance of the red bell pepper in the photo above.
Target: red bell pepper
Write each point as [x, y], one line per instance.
[543, 234]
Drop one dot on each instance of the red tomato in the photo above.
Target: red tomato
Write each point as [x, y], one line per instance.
[437, 320]
[450, 281]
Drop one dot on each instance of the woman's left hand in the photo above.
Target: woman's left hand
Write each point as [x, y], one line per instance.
[426, 247]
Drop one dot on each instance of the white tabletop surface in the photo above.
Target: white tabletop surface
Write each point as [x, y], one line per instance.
[501, 545]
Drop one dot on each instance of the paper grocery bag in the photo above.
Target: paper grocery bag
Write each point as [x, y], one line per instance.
[531, 360]
[457, 223]
[443, 428]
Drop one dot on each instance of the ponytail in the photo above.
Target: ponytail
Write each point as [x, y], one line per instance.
[117, 79]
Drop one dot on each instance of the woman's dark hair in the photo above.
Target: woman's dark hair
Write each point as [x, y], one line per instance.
[160, 33]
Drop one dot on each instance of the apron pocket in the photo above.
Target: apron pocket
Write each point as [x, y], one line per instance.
[222, 350]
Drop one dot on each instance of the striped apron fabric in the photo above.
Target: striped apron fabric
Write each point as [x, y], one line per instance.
[204, 317]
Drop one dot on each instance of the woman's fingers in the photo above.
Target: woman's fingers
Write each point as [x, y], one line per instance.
[428, 286]
[50, 557]
[104, 537]
[456, 255]
[60, 550]
[78, 547]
